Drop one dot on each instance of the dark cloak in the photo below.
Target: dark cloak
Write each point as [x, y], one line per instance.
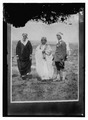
[24, 62]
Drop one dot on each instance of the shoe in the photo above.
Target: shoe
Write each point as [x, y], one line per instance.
[63, 75]
[28, 74]
[23, 77]
[56, 77]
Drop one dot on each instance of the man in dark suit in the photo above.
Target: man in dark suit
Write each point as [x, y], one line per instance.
[24, 54]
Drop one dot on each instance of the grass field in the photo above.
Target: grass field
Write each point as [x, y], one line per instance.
[33, 89]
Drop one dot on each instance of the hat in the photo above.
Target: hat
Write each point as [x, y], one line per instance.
[59, 33]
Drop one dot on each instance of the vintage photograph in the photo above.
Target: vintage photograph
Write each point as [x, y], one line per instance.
[45, 61]
[45, 56]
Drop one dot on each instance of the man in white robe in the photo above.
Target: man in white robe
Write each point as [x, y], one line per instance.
[44, 60]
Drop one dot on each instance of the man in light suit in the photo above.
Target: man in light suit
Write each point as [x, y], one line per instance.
[60, 57]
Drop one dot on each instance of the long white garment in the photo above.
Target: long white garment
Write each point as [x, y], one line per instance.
[44, 67]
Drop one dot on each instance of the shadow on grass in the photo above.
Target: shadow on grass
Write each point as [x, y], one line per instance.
[38, 78]
[29, 76]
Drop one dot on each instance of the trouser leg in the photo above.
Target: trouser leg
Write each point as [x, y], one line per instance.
[62, 74]
[58, 74]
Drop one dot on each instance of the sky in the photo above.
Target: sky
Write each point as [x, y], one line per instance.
[36, 30]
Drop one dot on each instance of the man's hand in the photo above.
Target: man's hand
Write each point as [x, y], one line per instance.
[43, 52]
[66, 57]
[31, 56]
[17, 57]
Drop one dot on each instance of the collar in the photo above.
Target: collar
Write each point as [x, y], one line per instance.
[41, 46]
[60, 41]
[24, 43]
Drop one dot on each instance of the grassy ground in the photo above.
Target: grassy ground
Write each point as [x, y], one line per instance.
[33, 89]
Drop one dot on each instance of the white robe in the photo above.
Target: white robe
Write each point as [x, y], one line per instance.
[44, 67]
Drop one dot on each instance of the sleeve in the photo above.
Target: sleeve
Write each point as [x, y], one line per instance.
[48, 50]
[37, 49]
[17, 49]
[30, 47]
[65, 49]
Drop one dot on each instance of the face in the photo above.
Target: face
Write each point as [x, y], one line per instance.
[24, 38]
[43, 41]
[58, 37]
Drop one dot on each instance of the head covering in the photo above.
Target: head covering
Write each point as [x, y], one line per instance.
[43, 38]
[59, 33]
[26, 40]
[25, 35]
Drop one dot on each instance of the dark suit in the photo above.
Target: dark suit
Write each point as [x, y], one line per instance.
[23, 52]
